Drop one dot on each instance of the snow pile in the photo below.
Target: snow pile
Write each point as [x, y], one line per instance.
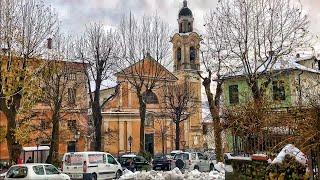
[175, 174]
[128, 175]
[291, 150]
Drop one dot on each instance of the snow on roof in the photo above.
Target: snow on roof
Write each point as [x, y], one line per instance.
[304, 57]
[280, 65]
[129, 155]
[292, 150]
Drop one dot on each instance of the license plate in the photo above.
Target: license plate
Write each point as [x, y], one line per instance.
[77, 176]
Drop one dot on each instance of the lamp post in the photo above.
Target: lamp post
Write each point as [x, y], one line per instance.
[76, 137]
[183, 143]
[38, 144]
[130, 142]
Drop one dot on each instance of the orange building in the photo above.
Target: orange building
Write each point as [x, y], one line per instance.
[121, 119]
[73, 123]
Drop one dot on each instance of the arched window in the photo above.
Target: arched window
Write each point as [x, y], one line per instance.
[179, 54]
[192, 54]
[180, 28]
[189, 27]
[150, 97]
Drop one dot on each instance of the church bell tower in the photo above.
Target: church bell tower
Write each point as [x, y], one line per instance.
[186, 56]
[186, 43]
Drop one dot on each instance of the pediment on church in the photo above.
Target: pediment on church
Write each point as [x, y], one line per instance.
[147, 68]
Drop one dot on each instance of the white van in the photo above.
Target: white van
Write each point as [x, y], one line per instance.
[99, 165]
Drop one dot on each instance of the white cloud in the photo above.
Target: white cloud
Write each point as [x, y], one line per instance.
[75, 14]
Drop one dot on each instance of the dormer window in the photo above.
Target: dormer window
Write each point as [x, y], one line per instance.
[179, 54]
[192, 54]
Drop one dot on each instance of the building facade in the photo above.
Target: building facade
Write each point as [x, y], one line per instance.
[73, 117]
[287, 98]
[121, 119]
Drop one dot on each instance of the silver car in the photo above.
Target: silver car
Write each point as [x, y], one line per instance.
[188, 161]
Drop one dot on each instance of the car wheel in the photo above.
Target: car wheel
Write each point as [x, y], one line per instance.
[118, 174]
[211, 167]
[94, 176]
[196, 167]
[180, 164]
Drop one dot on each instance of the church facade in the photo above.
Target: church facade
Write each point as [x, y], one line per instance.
[121, 119]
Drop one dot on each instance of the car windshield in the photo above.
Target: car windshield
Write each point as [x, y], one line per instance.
[182, 156]
[17, 172]
[74, 159]
[160, 156]
[172, 154]
[123, 160]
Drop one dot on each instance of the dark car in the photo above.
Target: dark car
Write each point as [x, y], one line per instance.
[133, 162]
[161, 162]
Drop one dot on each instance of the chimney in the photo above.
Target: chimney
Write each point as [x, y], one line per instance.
[49, 43]
[297, 55]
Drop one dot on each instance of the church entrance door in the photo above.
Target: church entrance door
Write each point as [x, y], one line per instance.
[149, 143]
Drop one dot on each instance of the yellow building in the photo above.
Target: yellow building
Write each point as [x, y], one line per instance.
[121, 119]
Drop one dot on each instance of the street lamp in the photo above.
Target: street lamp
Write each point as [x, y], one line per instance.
[183, 143]
[38, 144]
[130, 142]
[76, 137]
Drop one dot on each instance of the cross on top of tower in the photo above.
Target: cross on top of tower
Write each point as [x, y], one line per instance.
[185, 3]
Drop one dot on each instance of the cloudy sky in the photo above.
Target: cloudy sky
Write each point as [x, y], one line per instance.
[76, 14]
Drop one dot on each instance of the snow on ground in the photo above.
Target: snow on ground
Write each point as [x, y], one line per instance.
[175, 174]
[292, 150]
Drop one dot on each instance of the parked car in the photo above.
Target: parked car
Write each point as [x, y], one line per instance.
[162, 162]
[187, 161]
[35, 171]
[134, 162]
[94, 165]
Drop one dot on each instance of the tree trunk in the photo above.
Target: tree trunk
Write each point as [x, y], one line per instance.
[177, 134]
[55, 135]
[96, 114]
[256, 92]
[142, 111]
[214, 105]
[14, 147]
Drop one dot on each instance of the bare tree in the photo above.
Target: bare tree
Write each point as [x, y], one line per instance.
[214, 58]
[179, 104]
[259, 34]
[25, 26]
[144, 48]
[97, 49]
[60, 83]
[163, 131]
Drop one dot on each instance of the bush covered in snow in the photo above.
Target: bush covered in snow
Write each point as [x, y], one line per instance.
[290, 163]
[175, 174]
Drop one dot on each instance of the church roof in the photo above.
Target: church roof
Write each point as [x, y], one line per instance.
[185, 11]
[148, 65]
